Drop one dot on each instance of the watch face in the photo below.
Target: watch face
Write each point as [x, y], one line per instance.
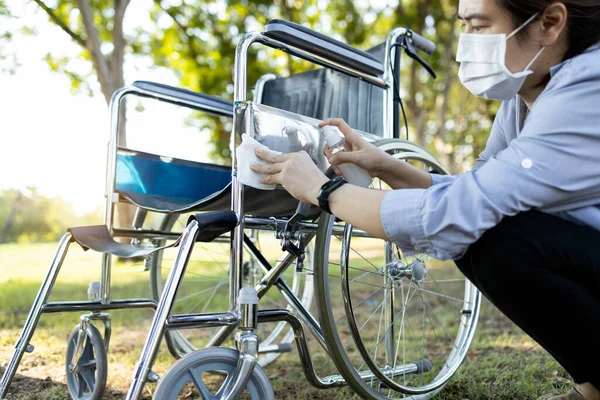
[332, 183]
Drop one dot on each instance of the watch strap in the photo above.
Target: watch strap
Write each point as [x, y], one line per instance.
[327, 189]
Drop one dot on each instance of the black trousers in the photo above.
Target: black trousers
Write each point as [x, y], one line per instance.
[543, 272]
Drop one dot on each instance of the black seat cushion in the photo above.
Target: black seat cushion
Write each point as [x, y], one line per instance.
[316, 43]
[324, 93]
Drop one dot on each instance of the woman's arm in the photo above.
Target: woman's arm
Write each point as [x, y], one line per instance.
[360, 207]
[396, 173]
[399, 174]
[302, 179]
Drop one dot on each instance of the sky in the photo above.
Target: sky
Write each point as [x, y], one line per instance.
[56, 141]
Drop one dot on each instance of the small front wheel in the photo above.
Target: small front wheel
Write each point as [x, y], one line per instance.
[205, 372]
[87, 380]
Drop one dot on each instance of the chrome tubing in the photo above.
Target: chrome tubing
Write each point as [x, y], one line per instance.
[111, 196]
[34, 315]
[390, 300]
[266, 316]
[305, 227]
[247, 343]
[287, 293]
[271, 276]
[165, 305]
[95, 306]
[388, 77]
[191, 321]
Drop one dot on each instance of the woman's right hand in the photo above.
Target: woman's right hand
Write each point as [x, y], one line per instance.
[358, 150]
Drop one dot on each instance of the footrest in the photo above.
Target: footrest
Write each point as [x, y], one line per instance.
[98, 238]
[213, 224]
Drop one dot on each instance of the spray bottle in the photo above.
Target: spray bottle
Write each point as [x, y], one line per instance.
[352, 173]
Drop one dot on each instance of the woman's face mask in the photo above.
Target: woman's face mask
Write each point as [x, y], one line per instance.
[483, 70]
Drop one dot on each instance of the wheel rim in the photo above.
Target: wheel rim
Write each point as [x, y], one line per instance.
[359, 338]
[203, 292]
[206, 372]
[87, 381]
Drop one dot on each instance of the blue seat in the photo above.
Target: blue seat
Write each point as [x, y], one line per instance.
[167, 184]
[170, 185]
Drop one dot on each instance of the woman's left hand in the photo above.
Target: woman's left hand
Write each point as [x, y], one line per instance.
[296, 172]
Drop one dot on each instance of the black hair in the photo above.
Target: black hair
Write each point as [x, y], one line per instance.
[583, 21]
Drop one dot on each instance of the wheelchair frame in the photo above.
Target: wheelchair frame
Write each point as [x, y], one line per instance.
[242, 316]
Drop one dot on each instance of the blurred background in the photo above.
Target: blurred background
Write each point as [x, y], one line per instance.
[61, 60]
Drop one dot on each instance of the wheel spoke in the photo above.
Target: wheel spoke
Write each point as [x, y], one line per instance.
[405, 344]
[442, 295]
[189, 296]
[87, 364]
[196, 379]
[367, 321]
[362, 301]
[89, 379]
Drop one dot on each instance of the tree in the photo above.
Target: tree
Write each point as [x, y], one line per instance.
[7, 61]
[28, 216]
[96, 26]
[196, 40]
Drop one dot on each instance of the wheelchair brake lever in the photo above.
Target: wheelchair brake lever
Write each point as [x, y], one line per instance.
[286, 244]
[412, 53]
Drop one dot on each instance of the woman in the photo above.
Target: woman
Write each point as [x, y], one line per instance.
[524, 224]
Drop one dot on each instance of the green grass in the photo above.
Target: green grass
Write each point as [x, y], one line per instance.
[502, 363]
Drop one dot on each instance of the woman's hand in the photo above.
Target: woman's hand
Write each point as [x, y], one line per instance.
[358, 150]
[296, 172]
[396, 173]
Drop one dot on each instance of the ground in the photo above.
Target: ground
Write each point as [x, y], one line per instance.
[502, 363]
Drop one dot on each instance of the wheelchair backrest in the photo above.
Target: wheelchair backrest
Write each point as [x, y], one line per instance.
[324, 93]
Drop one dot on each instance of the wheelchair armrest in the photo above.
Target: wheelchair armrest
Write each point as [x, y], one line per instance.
[178, 96]
[321, 45]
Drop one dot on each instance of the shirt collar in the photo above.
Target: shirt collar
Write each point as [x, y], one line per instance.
[554, 70]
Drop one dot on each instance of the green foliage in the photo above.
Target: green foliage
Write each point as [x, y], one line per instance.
[8, 61]
[200, 42]
[27, 217]
[196, 41]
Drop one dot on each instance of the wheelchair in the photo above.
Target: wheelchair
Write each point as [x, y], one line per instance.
[395, 325]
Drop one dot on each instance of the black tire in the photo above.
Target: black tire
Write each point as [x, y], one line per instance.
[353, 335]
[88, 380]
[194, 367]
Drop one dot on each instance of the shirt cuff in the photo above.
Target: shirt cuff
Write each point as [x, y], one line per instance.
[437, 179]
[402, 220]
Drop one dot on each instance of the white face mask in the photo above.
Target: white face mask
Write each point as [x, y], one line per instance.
[483, 68]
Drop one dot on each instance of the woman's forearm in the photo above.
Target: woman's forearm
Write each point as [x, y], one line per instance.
[399, 174]
[360, 207]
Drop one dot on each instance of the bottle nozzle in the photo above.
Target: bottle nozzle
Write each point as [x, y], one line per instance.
[332, 135]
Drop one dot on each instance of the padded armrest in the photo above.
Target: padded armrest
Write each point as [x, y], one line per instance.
[197, 101]
[316, 43]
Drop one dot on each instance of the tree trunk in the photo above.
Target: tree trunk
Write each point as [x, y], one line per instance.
[110, 76]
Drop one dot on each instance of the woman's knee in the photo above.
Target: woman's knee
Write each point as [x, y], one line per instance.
[498, 256]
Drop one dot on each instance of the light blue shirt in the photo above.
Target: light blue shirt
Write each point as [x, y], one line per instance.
[547, 160]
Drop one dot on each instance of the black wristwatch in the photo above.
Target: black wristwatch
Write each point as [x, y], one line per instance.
[326, 191]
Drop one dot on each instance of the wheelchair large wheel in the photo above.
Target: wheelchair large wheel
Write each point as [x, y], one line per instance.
[204, 373]
[87, 380]
[396, 326]
[205, 289]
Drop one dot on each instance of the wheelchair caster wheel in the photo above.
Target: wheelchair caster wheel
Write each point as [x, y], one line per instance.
[206, 372]
[86, 380]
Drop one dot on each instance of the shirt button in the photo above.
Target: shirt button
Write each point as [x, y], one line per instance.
[527, 163]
